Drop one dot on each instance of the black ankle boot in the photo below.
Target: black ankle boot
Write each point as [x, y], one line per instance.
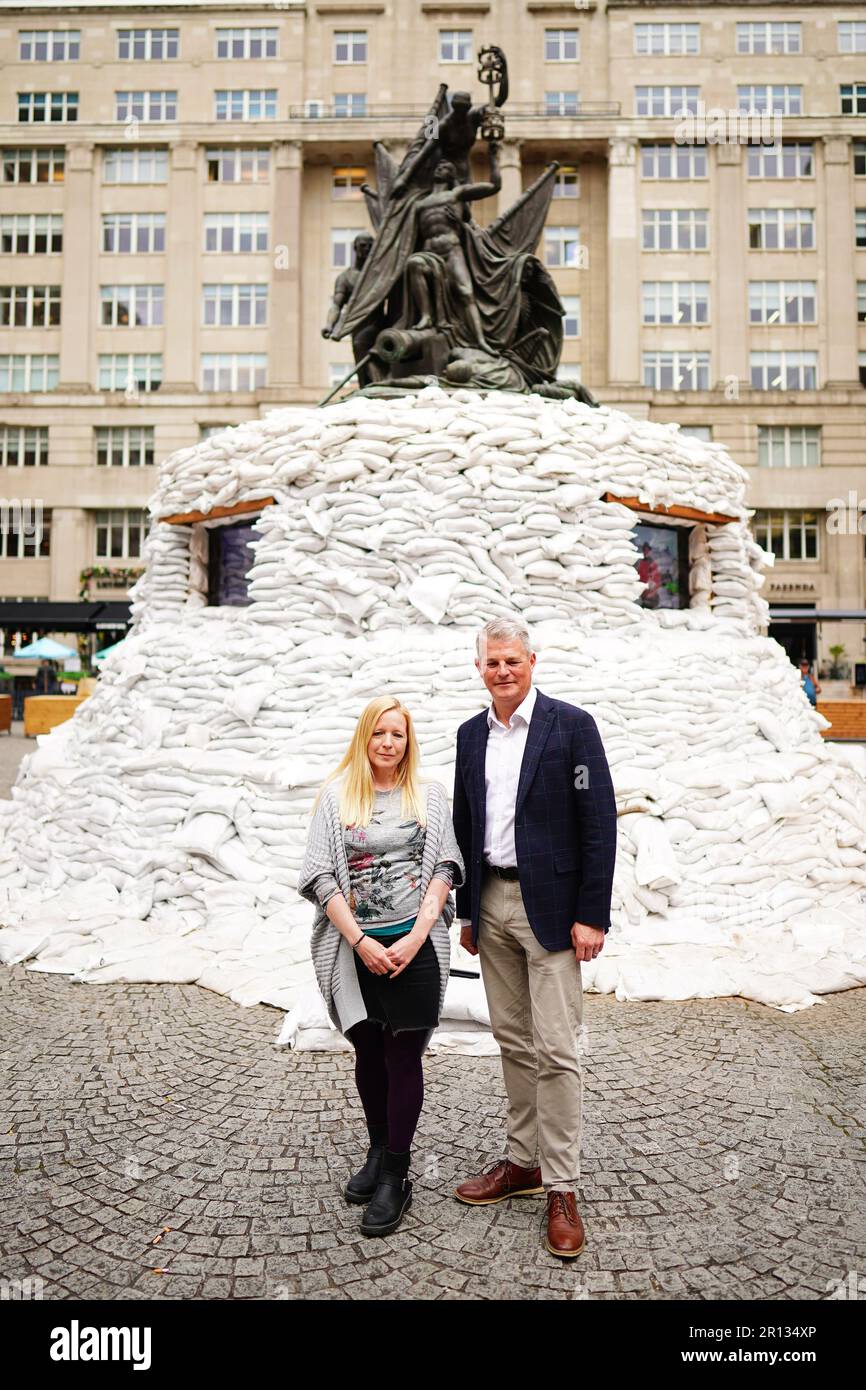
[391, 1198]
[362, 1185]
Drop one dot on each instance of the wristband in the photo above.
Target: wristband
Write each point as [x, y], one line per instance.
[358, 942]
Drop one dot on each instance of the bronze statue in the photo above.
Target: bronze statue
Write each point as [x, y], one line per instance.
[437, 294]
[364, 337]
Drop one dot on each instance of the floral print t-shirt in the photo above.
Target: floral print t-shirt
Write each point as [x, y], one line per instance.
[384, 865]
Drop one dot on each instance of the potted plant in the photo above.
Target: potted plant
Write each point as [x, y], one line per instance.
[839, 670]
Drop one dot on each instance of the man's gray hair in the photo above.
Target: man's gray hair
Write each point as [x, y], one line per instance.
[503, 630]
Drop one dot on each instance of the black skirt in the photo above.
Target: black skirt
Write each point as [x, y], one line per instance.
[409, 1001]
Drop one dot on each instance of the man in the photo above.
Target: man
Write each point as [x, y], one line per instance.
[808, 684]
[535, 818]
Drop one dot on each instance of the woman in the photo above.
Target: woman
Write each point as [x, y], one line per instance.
[380, 862]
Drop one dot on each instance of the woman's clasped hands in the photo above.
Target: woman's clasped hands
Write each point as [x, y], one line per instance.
[390, 960]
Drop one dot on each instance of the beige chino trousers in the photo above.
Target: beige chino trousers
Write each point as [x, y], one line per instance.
[536, 1010]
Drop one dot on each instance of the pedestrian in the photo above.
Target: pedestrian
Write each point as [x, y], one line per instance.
[809, 685]
[535, 818]
[380, 861]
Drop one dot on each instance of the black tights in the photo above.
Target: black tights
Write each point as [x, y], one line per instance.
[389, 1078]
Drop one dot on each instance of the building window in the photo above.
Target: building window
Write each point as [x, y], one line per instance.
[336, 372]
[23, 446]
[233, 371]
[666, 101]
[675, 229]
[861, 364]
[246, 43]
[853, 98]
[124, 446]
[350, 46]
[49, 45]
[562, 246]
[235, 306]
[38, 107]
[571, 321]
[676, 301]
[677, 371]
[561, 103]
[566, 182]
[236, 232]
[348, 104]
[31, 542]
[238, 165]
[133, 233]
[29, 306]
[782, 229]
[789, 446]
[769, 36]
[205, 431]
[782, 301]
[789, 535]
[145, 106]
[758, 99]
[852, 35]
[346, 181]
[124, 371]
[561, 45]
[132, 165]
[455, 45]
[784, 371]
[860, 159]
[247, 104]
[36, 165]
[131, 306]
[569, 371]
[673, 161]
[861, 301]
[675, 39]
[341, 246]
[860, 226]
[704, 432]
[29, 371]
[120, 534]
[31, 233]
[794, 160]
[148, 45]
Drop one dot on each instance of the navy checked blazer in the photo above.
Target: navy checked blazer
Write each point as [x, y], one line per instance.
[565, 835]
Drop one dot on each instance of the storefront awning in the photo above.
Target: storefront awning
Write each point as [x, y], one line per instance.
[63, 617]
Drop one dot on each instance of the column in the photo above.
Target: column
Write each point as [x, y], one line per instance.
[837, 313]
[182, 259]
[78, 297]
[511, 168]
[729, 294]
[623, 265]
[71, 539]
[284, 310]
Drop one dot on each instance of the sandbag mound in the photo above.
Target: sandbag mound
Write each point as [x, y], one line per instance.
[157, 835]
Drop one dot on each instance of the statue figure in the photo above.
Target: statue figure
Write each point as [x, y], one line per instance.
[452, 127]
[440, 264]
[365, 334]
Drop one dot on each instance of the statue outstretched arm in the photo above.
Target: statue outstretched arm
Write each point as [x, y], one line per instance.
[471, 192]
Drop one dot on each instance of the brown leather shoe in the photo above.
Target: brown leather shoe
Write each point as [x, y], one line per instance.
[564, 1226]
[504, 1179]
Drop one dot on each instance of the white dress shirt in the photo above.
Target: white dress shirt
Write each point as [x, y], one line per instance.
[501, 774]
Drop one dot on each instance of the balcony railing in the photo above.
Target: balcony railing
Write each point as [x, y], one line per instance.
[327, 111]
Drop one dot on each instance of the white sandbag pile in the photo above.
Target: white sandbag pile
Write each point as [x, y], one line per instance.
[158, 834]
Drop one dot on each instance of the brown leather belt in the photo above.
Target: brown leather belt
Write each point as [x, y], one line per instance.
[502, 871]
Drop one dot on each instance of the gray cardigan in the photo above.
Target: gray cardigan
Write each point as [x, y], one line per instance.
[333, 957]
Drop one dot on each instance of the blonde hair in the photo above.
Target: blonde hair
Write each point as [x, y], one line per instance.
[356, 789]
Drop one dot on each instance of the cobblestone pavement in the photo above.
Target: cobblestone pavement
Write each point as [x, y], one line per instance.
[13, 747]
[723, 1156]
